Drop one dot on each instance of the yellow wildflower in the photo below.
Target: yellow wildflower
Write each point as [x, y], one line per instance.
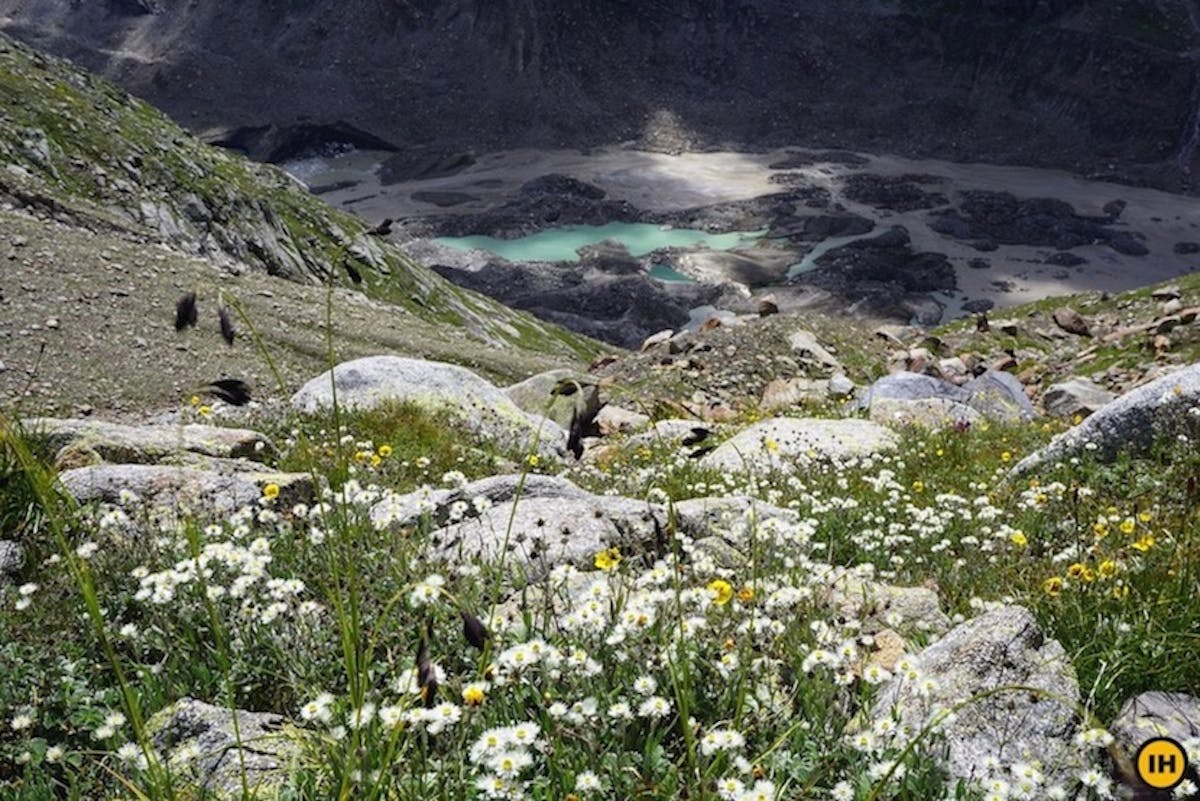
[1107, 568]
[205, 411]
[746, 594]
[721, 590]
[1120, 592]
[1089, 575]
[385, 451]
[771, 445]
[1100, 529]
[1019, 539]
[1076, 570]
[1052, 586]
[1145, 517]
[271, 492]
[1006, 456]
[473, 694]
[376, 459]
[532, 460]
[1145, 543]
[918, 486]
[195, 401]
[608, 559]
[1127, 525]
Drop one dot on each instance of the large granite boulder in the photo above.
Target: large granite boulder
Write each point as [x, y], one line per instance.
[532, 525]
[1130, 424]
[999, 396]
[127, 444]
[187, 490]
[782, 443]
[994, 394]
[972, 667]
[1075, 396]
[475, 402]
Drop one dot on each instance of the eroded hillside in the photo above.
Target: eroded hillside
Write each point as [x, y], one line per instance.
[1098, 87]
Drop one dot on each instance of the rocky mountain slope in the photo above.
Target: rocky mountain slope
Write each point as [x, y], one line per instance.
[111, 212]
[1097, 87]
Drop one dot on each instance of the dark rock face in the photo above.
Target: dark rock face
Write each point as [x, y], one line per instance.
[999, 217]
[818, 227]
[275, 143]
[1089, 84]
[886, 258]
[883, 276]
[895, 193]
[613, 306]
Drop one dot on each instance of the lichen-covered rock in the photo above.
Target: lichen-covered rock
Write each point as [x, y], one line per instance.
[735, 518]
[1075, 396]
[1130, 424]
[554, 522]
[435, 507]
[1150, 715]
[187, 490]
[881, 606]
[476, 403]
[929, 413]
[1002, 648]
[671, 433]
[783, 443]
[12, 559]
[200, 743]
[127, 444]
[912, 386]
[998, 395]
[544, 532]
[615, 420]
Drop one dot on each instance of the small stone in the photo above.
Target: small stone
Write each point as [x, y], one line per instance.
[1169, 292]
[657, 339]
[52, 323]
[1071, 321]
[767, 306]
[1172, 306]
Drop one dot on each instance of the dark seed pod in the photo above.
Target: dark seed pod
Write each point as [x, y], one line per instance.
[227, 331]
[185, 312]
[233, 391]
[474, 631]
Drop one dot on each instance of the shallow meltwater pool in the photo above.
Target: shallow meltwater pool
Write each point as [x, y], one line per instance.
[561, 244]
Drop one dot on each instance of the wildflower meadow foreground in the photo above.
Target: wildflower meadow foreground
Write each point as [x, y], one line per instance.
[416, 616]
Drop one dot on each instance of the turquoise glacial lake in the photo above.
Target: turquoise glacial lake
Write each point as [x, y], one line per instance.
[560, 244]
